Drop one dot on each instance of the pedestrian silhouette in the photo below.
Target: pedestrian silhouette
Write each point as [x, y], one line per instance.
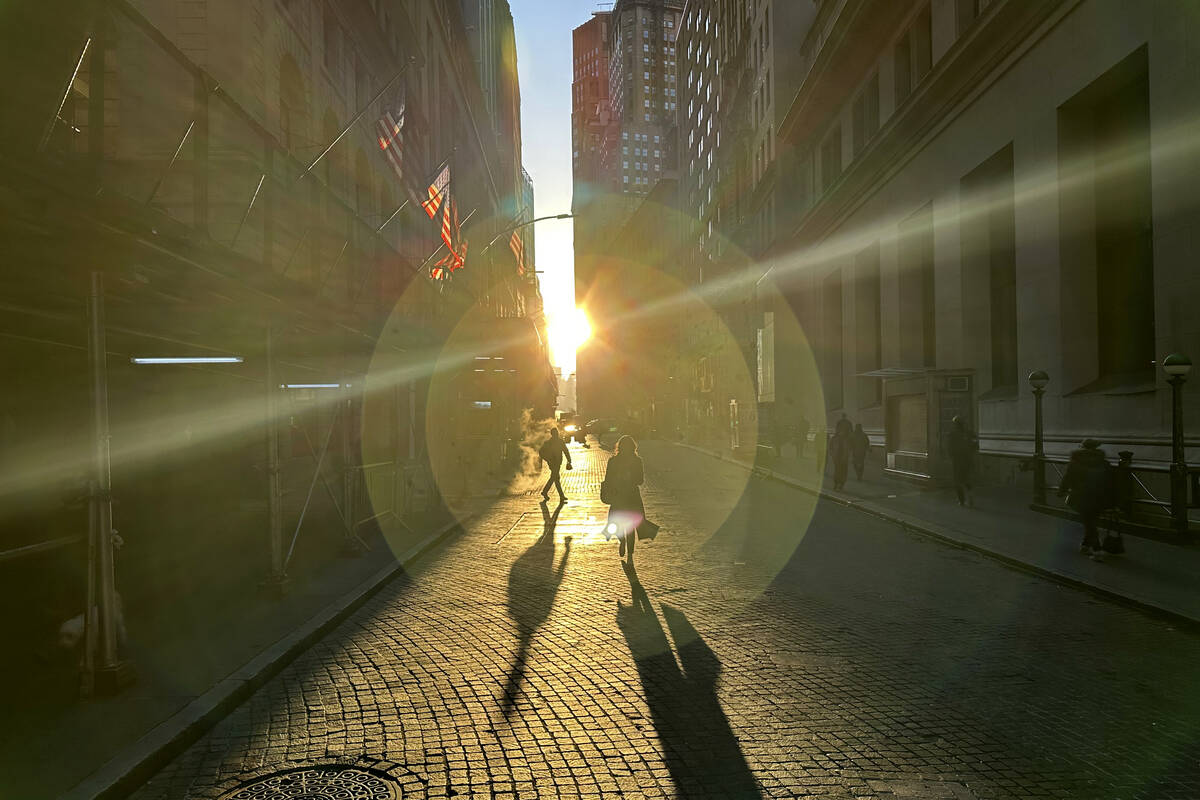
[533, 582]
[961, 445]
[839, 452]
[788, 427]
[683, 702]
[860, 445]
[1088, 485]
[552, 452]
[622, 477]
[844, 426]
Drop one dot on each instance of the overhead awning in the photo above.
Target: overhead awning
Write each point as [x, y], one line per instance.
[896, 372]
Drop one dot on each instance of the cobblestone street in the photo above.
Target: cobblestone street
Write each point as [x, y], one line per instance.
[753, 653]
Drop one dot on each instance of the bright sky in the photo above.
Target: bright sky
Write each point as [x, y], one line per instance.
[543, 30]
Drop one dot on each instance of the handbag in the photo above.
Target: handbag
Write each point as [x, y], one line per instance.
[1113, 542]
[605, 492]
[646, 530]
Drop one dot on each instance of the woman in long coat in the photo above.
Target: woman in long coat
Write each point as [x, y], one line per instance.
[622, 478]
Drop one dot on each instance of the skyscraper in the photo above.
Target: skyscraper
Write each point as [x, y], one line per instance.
[592, 122]
[643, 90]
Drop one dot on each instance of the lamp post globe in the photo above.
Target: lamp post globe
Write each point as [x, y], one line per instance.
[1038, 379]
[1177, 365]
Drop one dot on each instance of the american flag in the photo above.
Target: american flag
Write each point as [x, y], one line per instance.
[518, 247]
[460, 258]
[437, 192]
[456, 254]
[390, 128]
[449, 226]
[452, 261]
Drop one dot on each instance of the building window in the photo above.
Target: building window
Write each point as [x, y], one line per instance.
[867, 321]
[832, 363]
[333, 43]
[968, 11]
[831, 158]
[1106, 220]
[903, 69]
[865, 114]
[989, 265]
[914, 55]
[918, 332]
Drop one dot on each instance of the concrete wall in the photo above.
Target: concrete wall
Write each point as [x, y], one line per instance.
[1017, 102]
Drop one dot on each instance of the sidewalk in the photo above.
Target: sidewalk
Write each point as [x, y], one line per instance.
[1155, 577]
[194, 663]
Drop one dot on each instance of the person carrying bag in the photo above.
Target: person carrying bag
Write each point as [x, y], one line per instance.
[621, 491]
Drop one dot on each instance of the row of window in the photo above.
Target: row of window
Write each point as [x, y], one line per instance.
[913, 59]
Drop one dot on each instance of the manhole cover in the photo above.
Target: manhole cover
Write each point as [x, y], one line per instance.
[921, 790]
[332, 782]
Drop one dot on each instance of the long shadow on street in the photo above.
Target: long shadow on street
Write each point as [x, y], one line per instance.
[533, 583]
[702, 753]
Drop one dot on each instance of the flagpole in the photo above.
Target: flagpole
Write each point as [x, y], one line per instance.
[354, 120]
[49, 131]
[393, 216]
[408, 200]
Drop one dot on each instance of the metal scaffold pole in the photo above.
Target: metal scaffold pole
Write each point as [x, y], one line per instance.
[112, 674]
[277, 579]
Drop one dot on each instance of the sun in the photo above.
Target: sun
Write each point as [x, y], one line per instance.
[568, 332]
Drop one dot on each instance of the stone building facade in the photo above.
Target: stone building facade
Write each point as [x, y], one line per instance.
[1002, 187]
[195, 163]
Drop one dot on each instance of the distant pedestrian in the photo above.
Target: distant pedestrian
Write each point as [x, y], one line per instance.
[802, 429]
[844, 426]
[552, 452]
[839, 453]
[860, 445]
[620, 491]
[1088, 485]
[961, 446]
[788, 429]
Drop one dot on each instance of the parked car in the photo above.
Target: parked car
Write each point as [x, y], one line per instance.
[605, 430]
[572, 429]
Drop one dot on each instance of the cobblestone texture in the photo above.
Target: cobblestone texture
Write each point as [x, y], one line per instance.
[867, 663]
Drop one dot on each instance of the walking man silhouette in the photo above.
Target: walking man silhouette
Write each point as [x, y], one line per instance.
[552, 453]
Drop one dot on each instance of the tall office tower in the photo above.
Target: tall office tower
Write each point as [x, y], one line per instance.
[644, 91]
[738, 72]
[592, 123]
[593, 134]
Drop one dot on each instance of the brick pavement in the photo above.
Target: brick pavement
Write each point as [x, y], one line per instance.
[751, 655]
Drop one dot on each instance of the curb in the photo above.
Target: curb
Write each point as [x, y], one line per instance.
[136, 764]
[925, 529]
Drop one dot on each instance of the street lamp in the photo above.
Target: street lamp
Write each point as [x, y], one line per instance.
[1038, 380]
[518, 225]
[1177, 367]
